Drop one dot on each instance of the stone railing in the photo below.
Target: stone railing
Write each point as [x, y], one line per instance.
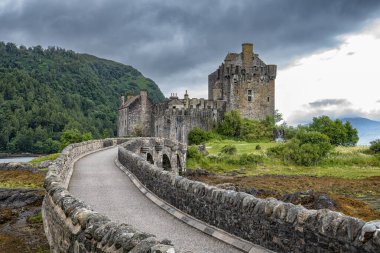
[282, 227]
[72, 226]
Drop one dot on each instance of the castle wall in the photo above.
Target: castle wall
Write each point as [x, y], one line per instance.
[135, 118]
[175, 124]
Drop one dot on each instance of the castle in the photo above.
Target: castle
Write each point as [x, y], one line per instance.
[243, 83]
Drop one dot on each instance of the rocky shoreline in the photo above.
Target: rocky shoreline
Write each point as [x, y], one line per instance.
[21, 228]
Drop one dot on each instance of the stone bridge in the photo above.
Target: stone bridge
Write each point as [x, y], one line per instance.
[141, 203]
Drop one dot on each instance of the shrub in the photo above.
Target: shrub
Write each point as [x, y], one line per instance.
[193, 152]
[307, 148]
[375, 146]
[247, 159]
[228, 150]
[197, 136]
[231, 124]
[258, 147]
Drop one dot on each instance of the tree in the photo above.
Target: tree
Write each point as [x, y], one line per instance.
[231, 124]
[339, 133]
[375, 146]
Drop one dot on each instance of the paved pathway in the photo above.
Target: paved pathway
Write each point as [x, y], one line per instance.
[97, 181]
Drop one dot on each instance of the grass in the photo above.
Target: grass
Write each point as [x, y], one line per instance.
[40, 159]
[33, 219]
[21, 179]
[343, 162]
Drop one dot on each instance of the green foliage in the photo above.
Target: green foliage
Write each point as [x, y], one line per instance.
[233, 125]
[339, 133]
[229, 150]
[258, 147]
[33, 219]
[375, 146]
[50, 157]
[307, 148]
[73, 136]
[193, 152]
[44, 92]
[246, 159]
[198, 136]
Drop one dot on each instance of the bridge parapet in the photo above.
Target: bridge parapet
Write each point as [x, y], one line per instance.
[72, 226]
[282, 227]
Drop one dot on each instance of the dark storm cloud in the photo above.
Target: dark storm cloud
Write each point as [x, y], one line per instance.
[165, 37]
[330, 102]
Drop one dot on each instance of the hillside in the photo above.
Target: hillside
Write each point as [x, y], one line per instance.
[44, 92]
[369, 130]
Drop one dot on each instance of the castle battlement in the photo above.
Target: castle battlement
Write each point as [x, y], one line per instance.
[243, 82]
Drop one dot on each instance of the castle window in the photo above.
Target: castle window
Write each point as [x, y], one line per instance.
[237, 70]
[249, 95]
[268, 99]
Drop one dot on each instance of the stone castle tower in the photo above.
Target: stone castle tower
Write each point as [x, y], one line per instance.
[243, 82]
[246, 83]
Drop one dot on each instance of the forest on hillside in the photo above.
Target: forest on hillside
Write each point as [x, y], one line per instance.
[45, 92]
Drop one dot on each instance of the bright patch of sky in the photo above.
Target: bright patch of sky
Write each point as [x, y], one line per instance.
[343, 81]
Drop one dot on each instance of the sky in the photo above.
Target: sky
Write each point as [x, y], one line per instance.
[327, 51]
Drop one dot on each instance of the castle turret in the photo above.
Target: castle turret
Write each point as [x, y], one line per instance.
[247, 55]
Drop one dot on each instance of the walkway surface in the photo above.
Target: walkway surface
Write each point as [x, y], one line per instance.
[97, 181]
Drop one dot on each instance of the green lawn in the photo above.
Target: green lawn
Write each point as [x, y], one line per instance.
[343, 162]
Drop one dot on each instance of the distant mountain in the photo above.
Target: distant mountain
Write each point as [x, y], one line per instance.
[44, 92]
[369, 130]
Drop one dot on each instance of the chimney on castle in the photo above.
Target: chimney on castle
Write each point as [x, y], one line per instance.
[186, 96]
[122, 100]
[247, 55]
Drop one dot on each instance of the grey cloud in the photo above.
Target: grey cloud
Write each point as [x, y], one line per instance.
[168, 36]
[350, 53]
[378, 101]
[329, 102]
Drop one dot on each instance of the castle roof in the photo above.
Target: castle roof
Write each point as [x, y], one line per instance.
[131, 101]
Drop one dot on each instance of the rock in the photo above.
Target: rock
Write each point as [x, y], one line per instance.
[14, 198]
[227, 186]
[369, 230]
[311, 200]
[18, 166]
[44, 164]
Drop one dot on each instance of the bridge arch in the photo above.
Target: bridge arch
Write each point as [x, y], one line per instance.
[166, 165]
[149, 158]
[179, 165]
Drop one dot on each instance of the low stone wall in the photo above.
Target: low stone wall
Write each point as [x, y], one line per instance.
[282, 227]
[72, 226]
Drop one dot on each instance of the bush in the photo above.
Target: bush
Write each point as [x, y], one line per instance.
[231, 124]
[228, 150]
[307, 148]
[375, 146]
[193, 152]
[247, 159]
[198, 136]
[339, 133]
[258, 147]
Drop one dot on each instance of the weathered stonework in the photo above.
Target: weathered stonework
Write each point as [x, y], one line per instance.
[282, 227]
[72, 226]
[243, 83]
